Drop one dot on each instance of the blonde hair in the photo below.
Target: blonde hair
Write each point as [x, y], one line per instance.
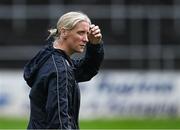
[68, 21]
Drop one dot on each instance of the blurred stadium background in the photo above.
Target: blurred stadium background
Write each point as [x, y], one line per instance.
[139, 82]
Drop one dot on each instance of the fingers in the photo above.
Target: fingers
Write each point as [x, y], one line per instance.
[94, 29]
[95, 35]
[97, 31]
[98, 35]
[91, 26]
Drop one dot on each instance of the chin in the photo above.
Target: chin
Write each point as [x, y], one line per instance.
[80, 51]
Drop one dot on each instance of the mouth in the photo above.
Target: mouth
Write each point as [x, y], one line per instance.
[83, 45]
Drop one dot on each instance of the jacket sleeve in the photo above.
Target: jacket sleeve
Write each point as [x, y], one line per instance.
[57, 99]
[88, 66]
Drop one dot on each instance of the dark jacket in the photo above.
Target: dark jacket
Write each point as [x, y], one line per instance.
[53, 78]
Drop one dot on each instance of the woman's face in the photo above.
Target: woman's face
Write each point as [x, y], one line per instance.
[77, 38]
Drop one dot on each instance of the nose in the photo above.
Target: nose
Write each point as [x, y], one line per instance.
[86, 38]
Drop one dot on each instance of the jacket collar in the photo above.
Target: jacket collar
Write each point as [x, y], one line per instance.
[62, 53]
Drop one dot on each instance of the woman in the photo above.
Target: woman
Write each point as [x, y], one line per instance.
[53, 76]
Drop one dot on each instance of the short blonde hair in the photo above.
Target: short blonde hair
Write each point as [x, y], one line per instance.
[68, 21]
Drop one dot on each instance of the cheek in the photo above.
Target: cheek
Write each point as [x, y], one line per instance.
[75, 38]
[76, 41]
[78, 38]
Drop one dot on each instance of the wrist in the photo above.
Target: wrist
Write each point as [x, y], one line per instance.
[95, 43]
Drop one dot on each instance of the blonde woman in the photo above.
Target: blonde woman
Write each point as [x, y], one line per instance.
[53, 76]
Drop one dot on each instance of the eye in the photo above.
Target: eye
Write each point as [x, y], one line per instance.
[81, 32]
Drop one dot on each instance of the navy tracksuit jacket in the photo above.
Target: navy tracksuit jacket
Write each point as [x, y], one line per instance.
[53, 78]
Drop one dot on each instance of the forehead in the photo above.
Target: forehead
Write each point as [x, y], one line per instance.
[82, 25]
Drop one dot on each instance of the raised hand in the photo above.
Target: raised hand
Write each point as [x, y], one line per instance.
[94, 35]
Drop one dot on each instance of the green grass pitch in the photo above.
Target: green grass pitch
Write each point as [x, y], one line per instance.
[170, 123]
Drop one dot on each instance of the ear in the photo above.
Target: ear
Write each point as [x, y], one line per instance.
[64, 32]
